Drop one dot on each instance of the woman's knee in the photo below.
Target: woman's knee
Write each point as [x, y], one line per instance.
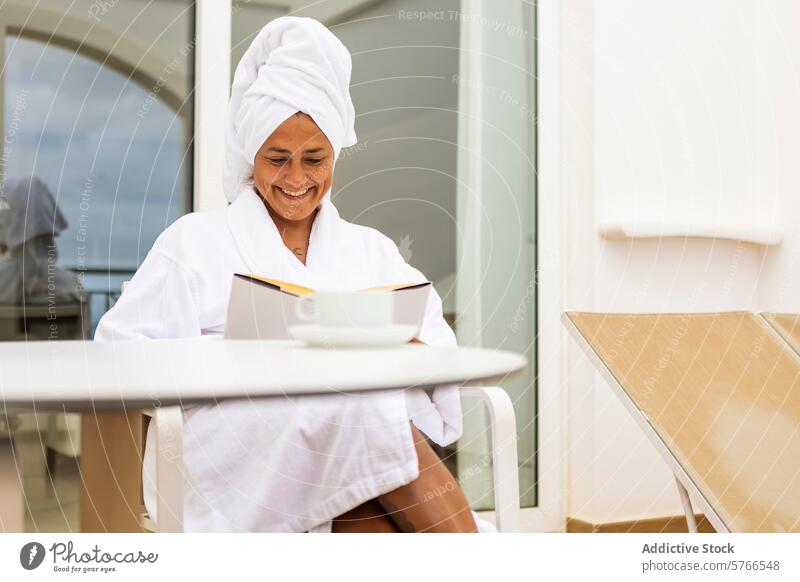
[369, 517]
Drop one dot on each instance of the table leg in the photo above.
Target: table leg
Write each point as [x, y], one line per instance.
[12, 506]
[111, 472]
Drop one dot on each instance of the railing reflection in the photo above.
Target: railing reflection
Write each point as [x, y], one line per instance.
[103, 287]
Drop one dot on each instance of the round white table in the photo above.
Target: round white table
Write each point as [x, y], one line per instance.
[78, 376]
[127, 376]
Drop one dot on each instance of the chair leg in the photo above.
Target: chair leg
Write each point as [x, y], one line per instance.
[50, 461]
[169, 468]
[504, 454]
[110, 472]
[12, 506]
[687, 506]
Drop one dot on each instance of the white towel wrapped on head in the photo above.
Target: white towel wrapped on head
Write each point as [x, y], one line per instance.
[294, 64]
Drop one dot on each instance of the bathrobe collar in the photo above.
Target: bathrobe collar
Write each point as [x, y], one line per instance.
[262, 248]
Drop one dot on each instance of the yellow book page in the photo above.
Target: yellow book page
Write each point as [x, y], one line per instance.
[300, 290]
[284, 286]
[393, 287]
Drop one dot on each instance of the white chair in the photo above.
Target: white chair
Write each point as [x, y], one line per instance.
[170, 480]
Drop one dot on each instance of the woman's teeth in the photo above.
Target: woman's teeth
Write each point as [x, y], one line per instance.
[295, 194]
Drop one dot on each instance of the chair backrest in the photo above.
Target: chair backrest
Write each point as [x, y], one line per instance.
[722, 393]
[169, 477]
[142, 422]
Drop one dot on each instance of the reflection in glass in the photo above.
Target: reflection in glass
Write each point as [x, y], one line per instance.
[96, 120]
[112, 143]
[30, 220]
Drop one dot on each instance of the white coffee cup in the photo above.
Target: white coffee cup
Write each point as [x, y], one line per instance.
[347, 308]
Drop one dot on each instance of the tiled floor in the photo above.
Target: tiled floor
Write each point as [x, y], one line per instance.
[52, 504]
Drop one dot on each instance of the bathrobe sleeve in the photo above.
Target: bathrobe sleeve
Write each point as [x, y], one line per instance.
[435, 412]
[160, 301]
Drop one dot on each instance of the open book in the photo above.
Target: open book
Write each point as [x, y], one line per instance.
[261, 308]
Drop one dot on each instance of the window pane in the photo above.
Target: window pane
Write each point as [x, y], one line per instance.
[104, 123]
[247, 19]
[96, 161]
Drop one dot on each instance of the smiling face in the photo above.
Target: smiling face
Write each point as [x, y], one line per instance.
[294, 168]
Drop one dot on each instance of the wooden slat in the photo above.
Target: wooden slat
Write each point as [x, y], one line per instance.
[668, 524]
[723, 394]
[111, 472]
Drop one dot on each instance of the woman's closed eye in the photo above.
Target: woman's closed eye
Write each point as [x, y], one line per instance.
[281, 161]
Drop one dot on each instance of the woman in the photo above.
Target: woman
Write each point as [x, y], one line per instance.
[320, 464]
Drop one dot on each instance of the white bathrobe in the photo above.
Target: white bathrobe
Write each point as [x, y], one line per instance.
[280, 464]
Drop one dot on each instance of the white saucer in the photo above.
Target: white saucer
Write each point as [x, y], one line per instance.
[353, 337]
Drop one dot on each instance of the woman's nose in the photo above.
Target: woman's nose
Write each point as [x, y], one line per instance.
[295, 175]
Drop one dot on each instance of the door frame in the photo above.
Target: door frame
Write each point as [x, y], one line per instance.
[550, 512]
[212, 79]
[550, 276]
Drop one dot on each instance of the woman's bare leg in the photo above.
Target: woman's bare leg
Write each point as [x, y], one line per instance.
[368, 517]
[434, 502]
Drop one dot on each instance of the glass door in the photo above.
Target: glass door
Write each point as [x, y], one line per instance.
[496, 200]
[445, 116]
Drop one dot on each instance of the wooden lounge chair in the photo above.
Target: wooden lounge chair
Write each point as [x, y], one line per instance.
[719, 396]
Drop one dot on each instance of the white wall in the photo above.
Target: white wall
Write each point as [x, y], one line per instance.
[778, 135]
[679, 112]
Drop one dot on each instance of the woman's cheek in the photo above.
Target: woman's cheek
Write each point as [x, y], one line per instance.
[321, 173]
[263, 178]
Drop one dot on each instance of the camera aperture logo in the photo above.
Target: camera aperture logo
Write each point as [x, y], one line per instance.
[31, 555]
[67, 559]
